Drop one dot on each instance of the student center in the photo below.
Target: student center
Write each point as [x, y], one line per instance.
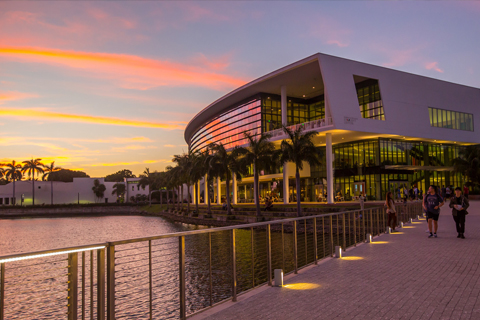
[378, 129]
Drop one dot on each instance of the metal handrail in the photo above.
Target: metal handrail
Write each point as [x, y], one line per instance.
[109, 268]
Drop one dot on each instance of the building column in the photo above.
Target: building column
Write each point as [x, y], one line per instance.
[205, 190]
[284, 105]
[234, 187]
[329, 160]
[194, 194]
[219, 191]
[286, 186]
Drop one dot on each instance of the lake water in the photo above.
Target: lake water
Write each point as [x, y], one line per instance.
[42, 295]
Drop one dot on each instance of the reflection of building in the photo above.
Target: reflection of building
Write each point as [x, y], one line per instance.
[378, 129]
[78, 191]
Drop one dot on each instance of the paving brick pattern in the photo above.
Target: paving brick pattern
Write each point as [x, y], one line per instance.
[409, 277]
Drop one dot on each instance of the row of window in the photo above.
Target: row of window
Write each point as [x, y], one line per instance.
[370, 100]
[450, 119]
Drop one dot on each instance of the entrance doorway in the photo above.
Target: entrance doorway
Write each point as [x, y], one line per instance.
[358, 189]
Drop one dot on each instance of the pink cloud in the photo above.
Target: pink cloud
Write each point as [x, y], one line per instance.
[14, 95]
[433, 66]
[128, 71]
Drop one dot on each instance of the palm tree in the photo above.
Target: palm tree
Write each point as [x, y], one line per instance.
[13, 172]
[298, 149]
[226, 164]
[468, 164]
[186, 162]
[169, 183]
[31, 167]
[98, 189]
[119, 189]
[49, 170]
[262, 155]
[197, 172]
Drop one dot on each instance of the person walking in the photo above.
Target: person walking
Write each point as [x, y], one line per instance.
[392, 213]
[432, 204]
[459, 204]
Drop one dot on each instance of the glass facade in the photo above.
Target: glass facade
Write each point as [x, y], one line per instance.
[369, 99]
[441, 118]
[298, 111]
[229, 127]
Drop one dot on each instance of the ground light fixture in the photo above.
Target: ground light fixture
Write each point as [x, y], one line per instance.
[401, 224]
[338, 251]
[389, 230]
[278, 273]
[369, 238]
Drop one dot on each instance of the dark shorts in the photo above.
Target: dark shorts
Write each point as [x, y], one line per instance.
[434, 216]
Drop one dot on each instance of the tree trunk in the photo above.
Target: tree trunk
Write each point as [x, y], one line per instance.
[14, 199]
[51, 189]
[181, 198]
[168, 198]
[188, 197]
[207, 187]
[161, 198]
[297, 178]
[196, 196]
[33, 189]
[257, 198]
[227, 186]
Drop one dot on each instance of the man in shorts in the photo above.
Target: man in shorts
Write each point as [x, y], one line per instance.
[432, 204]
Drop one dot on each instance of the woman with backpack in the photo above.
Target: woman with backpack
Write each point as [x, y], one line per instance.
[459, 204]
[392, 213]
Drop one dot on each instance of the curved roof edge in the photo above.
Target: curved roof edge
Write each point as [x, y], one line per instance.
[210, 111]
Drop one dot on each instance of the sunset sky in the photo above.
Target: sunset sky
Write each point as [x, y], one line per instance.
[104, 86]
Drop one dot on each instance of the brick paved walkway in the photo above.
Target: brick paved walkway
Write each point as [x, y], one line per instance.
[409, 277]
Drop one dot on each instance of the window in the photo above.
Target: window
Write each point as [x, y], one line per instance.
[369, 99]
[133, 188]
[450, 119]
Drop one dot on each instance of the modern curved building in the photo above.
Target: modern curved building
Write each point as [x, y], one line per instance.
[378, 129]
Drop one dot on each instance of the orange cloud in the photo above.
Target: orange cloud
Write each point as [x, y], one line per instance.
[113, 164]
[433, 66]
[132, 71]
[13, 95]
[55, 116]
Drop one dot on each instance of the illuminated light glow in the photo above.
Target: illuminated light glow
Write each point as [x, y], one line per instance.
[410, 227]
[415, 222]
[136, 72]
[47, 115]
[380, 242]
[398, 232]
[352, 257]
[302, 286]
[49, 254]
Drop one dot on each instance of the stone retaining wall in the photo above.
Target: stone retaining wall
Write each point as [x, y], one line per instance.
[26, 212]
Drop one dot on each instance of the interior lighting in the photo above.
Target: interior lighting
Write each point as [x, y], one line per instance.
[304, 96]
[343, 138]
[313, 87]
[302, 286]
[42, 255]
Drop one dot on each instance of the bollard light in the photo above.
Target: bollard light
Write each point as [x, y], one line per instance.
[369, 238]
[338, 251]
[401, 224]
[278, 273]
[389, 230]
[418, 217]
[411, 221]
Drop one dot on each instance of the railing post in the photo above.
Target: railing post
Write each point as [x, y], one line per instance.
[363, 224]
[344, 234]
[150, 282]
[101, 284]
[269, 255]
[295, 247]
[111, 282]
[253, 258]
[72, 285]
[283, 250]
[91, 284]
[349, 227]
[378, 221]
[2, 290]
[323, 237]
[315, 249]
[306, 242]
[83, 285]
[371, 221]
[210, 266]
[355, 229]
[331, 237]
[234, 268]
[181, 270]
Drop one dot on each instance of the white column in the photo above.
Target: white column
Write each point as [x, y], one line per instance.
[219, 192]
[205, 190]
[234, 187]
[194, 194]
[329, 159]
[283, 101]
[286, 186]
